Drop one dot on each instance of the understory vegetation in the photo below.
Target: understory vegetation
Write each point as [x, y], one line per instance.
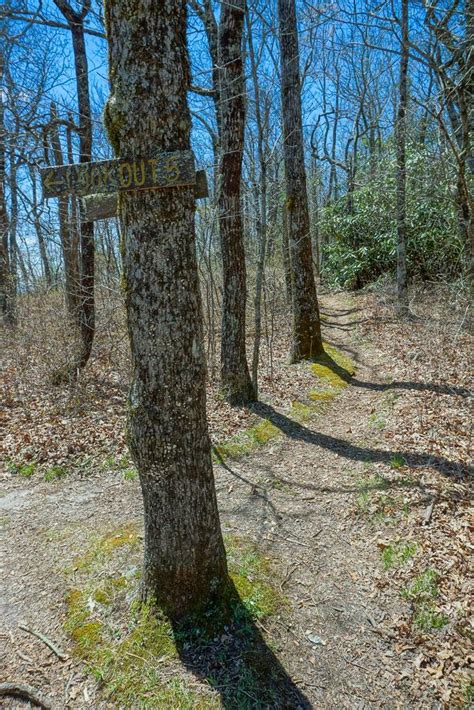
[360, 239]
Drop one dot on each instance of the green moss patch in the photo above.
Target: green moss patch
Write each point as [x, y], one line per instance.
[333, 372]
[334, 368]
[104, 546]
[133, 650]
[251, 573]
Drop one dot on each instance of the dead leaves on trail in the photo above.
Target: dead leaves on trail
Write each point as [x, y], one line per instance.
[80, 426]
[430, 366]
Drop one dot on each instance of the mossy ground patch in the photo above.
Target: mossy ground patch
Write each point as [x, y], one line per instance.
[134, 652]
[333, 372]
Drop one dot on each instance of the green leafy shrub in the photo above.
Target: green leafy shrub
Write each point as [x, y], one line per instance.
[360, 246]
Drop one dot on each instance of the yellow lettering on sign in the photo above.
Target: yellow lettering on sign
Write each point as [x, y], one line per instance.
[125, 181]
[171, 169]
[139, 182]
[152, 162]
[50, 182]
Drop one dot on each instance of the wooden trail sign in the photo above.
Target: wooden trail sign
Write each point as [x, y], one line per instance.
[110, 176]
[105, 206]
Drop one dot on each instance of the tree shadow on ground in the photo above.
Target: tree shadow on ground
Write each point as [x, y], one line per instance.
[396, 385]
[238, 663]
[348, 450]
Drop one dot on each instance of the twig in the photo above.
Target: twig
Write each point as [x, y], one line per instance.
[287, 539]
[24, 657]
[357, 665]
[57, 651]
[27, 692]
[288, 575]
[429, 512]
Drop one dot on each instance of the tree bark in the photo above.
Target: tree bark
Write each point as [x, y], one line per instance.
[402, 288]
[236, 383]
[307, 342]
[75, 21]
[39, 230]
[7, 296]
[71, 272]
[185, 565]
[261, 209]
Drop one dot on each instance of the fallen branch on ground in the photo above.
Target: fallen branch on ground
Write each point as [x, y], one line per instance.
[57, 651]
[26, 692]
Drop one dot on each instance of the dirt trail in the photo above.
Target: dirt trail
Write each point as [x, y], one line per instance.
[295, 497]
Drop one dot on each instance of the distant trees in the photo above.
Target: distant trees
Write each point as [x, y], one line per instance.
[7, 286]
[332, 113]
[70, 252]
[225, 39]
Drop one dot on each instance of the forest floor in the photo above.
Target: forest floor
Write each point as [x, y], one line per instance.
[359, 510]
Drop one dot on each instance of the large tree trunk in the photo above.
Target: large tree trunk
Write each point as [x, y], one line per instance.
[402, 289]
[225, 48]
[185, 564]
[307, 342]
[235, 377]
[86, 305]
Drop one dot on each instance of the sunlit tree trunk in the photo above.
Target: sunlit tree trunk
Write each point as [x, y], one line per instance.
[86, 304]
[71, 272]
[402, 288]
[7, 295]
[307, 342]
[261, 208]
[185, 564]
[48, 278]
[235, 377]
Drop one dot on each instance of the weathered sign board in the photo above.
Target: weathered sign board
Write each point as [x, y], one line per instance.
[111, 176]
[105, 206]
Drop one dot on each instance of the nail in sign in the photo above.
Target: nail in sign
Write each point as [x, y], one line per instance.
[108, 176]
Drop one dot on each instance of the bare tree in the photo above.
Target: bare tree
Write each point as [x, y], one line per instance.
[307, 342]
[75, 20]
[7, 277]
[402, 289]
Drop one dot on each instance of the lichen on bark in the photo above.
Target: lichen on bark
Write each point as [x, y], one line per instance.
[184, 565]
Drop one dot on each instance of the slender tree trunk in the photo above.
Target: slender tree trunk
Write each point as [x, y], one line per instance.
[235, 377]
[7, 301]
[307, 342]
[87, 304]
[71, 275]
[185, 564]
[261, 210]
[285, 247]
[75, 21]
[13, 246]
[402, 288]
[74, 221]
[39, 231]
